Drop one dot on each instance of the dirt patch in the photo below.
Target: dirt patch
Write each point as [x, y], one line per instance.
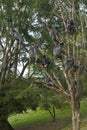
[58, 125]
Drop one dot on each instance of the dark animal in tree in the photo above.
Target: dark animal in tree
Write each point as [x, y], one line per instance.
[17, 35]
[58, 50]
[81, 69]
[33, 53]
[48, 80]
[71, 26]
[68, 64]
[45, 61]
[53, 33]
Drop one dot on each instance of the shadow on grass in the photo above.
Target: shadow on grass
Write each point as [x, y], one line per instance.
[58, 125]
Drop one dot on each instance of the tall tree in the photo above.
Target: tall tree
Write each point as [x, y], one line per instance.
[14, 55]
[72, 15]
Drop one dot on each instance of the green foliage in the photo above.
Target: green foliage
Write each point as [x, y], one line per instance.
[31, 96]
[50, 99]
[44, 8]
[18, 98]
[31, 18]
[8, 103]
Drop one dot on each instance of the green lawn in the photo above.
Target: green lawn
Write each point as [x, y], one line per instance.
[42, 116]
[35, 117]
[31, 117]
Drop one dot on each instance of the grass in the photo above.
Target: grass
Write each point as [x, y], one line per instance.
[31, 117]
[42, 116]
[36, 117]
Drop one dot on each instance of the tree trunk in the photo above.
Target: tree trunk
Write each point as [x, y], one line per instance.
[75, 115]
[5, 125]
[16, 59]
[52, 113]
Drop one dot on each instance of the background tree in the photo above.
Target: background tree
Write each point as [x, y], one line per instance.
[14, 58]
[50, 101]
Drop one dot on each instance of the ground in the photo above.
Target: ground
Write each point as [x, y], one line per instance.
[58, 125]
[33, 120]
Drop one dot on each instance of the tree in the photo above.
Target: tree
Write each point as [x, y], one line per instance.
[13, 56]
[75, 52]
[33, 21]
[50, 101]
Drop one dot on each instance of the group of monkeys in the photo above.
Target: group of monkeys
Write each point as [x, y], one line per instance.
[58, 50]
[71, 29]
